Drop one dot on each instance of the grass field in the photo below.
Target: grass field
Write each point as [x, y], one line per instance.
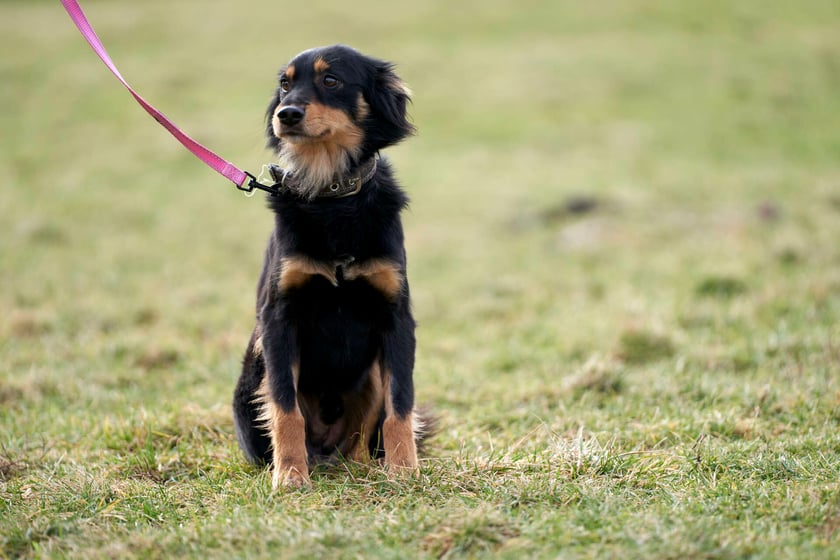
[624, 249]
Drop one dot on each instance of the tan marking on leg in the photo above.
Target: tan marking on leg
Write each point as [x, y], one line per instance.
[398, 437]
[321, 65]
[288, 440]
[382, 274]
[297, 270]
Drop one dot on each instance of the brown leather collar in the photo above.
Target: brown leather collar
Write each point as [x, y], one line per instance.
[346, 185]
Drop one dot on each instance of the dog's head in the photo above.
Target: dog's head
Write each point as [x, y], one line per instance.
[334, 108]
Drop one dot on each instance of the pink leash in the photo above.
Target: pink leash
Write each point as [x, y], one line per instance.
[225, 168]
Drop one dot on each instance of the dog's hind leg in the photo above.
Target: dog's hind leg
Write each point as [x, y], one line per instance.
[253, 438]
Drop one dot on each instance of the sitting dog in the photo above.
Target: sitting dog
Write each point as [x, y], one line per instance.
[328, 369]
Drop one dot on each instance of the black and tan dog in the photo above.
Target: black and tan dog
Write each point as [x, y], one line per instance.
[328, 370]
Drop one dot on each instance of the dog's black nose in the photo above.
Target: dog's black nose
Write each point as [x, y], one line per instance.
[290, 115]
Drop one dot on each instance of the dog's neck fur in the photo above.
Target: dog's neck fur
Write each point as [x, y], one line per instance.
[346, 184]
[316, 165]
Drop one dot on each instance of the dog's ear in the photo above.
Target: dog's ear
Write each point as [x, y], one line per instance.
[272, 141]
[388, 100]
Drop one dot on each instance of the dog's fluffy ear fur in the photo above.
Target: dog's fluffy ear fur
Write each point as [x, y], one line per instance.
[388, 98]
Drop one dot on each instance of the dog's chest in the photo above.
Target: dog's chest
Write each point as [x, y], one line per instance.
[382, 274]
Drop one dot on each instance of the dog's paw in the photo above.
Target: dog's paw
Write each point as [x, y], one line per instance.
[290, 477]
[402, 465]
[396, 471]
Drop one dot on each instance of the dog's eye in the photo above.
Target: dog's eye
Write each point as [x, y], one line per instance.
[284, 85]
[330, 81]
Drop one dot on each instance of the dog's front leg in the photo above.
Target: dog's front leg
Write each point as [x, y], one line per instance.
[397, 371]
[282, 414]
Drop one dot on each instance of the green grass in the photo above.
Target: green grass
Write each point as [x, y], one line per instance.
[624, 259]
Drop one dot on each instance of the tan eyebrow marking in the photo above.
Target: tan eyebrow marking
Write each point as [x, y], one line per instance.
[321, 65]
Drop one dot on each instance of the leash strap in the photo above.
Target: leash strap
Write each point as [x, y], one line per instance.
[225, 168]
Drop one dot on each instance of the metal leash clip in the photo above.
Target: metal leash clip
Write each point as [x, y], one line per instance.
[256, 183]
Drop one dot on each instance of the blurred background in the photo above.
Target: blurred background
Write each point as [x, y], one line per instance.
[612, 180]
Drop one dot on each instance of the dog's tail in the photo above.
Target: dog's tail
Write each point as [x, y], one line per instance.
[426, 425]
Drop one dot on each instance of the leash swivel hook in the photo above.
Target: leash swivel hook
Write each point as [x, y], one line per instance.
[252, 183]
